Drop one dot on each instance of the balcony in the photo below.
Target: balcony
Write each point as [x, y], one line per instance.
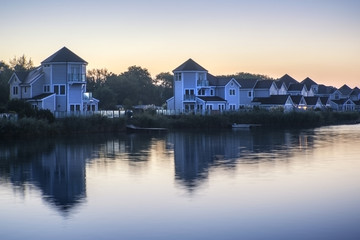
[189, 97]
[76, 78]
[202, 83]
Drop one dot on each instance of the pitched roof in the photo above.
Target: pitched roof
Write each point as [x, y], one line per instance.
[324, 100]
[247, 83]
[345, 90]
[296, 99]
[189, 65]
[64, 55]
[341, 101]
[42, 96]
[213, 81]
[212, 99]
[22, 75]
[273, 99]
[322, 89]
[311, 100]
[355, 91]
[295, 87]
[308, 83]
[287, 80]
[29, 76]
[263, 84]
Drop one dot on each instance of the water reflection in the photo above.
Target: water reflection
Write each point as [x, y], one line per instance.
[196, 154]
[57, 167]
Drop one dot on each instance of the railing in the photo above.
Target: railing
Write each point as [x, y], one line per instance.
[202, 83]
[189, 97]
[105, 113]
[76, 78]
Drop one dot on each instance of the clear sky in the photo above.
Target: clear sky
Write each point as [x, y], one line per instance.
[319, 39]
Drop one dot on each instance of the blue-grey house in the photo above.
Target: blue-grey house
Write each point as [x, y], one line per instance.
[58, 84]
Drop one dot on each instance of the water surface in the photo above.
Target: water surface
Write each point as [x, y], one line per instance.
[302, 184]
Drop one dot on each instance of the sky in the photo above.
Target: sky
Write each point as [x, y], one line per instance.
[309, 38]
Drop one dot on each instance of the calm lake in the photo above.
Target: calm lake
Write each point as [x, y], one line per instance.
[234, 184]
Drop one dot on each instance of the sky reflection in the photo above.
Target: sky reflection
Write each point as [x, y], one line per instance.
[220, 185]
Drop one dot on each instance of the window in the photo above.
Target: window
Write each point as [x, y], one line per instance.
[15, 90]
[25, 89]
[59, 89]
[232, 107]
[249, 94]
[177, 76]
[211, 92]
[46, 88]
[201, 92]
[232, 92]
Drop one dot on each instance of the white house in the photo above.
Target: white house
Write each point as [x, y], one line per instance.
[58, 85]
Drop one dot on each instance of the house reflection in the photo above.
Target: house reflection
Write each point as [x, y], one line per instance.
[57, 168]
[196, 153]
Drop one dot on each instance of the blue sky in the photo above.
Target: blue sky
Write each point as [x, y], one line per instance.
[316, 39]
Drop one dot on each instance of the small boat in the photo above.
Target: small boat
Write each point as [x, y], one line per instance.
[133, 129]
[244, 125]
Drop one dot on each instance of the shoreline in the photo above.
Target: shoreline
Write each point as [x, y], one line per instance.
[73, 126]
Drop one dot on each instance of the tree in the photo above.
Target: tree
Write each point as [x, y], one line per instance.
[96, 78]
[164, 79]
[21, 64]
[5, 74]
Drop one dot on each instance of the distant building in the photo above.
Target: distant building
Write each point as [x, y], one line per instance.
[58, 85]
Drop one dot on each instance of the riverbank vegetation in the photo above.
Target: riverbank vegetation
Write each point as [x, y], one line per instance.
[44, 126]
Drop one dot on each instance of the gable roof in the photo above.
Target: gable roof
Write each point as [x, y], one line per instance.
[287, 80]
[308, 83]
[273, 99]
[189, 65]
[247, 83]
[28, 76]
[324, 100]
[42, 96]
[345, 90]
[355, 91]
[22, 75]
[322, 89]
[341, 101]
[261, 84]
[296, 99]
[311, 100]
[64, 55]
[295, 87]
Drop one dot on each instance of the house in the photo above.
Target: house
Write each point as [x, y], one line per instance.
[297, 89]
[275, 102]
[287, 80]
[314, 102]
[193, 91]
[246, 91]
[343, 105]
[282, 89]
[58, 84]
[355, 94]
[299, 102]
[311, 86]
[265, 88]
[345, 91]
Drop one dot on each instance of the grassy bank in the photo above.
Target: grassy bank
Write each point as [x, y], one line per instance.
[267, 119]
[31, 127]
